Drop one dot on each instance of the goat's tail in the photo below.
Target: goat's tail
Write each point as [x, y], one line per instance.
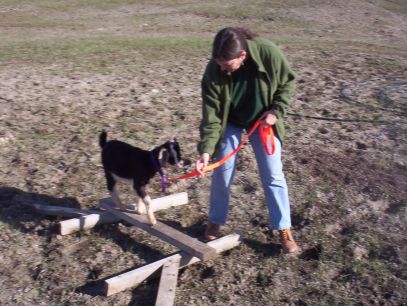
[103, 138]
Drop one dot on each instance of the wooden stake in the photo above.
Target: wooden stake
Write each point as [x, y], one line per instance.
[168, 283]
[166, 233]
[101, 217]
[135, 277]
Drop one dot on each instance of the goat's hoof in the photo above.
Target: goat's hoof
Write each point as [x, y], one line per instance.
[152, 221]
[151, 217]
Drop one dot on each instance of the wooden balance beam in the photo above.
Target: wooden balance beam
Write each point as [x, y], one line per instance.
[164, 232]
[94, 218]
[135, 277]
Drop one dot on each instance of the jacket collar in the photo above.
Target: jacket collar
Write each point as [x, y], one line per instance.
[255, 54]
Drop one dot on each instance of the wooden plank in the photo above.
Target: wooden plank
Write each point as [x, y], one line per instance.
[166, 233]
[127, 280]
[135, 277]
[169, 201]
[86, 222]
[101, 217]
[60, 211]
[168, 283]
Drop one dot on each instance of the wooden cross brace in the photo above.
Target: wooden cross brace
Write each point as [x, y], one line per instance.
[135, 277]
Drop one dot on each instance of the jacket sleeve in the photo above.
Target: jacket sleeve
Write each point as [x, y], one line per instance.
[211, 123]
[285, 78]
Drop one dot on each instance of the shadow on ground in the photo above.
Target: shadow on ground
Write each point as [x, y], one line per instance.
[16, 209]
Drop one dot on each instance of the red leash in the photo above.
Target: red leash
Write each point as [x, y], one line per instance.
[266, 136]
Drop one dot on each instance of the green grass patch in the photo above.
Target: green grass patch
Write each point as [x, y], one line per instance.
[397, 6]
[66, 5]
[236, 9]
[103, 52]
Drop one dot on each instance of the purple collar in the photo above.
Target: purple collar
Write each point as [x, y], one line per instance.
[160, 170]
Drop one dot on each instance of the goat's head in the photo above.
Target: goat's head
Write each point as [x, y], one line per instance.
[170, 152]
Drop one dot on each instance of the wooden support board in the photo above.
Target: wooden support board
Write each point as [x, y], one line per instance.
[168, 283]
[166, 233]
[86, 222]
[169, 201]
[101, 217]
[135, 277]
[60, 211]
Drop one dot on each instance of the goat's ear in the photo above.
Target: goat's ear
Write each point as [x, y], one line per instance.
[163, 156]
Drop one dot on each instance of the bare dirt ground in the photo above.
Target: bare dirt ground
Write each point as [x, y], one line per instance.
[70, 69]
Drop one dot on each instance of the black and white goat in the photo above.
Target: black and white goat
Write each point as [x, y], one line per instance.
[125, 163]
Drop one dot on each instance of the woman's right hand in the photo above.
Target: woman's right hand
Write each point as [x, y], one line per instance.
[202, 163]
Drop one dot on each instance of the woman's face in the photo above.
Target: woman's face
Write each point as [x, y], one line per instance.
[233, 64]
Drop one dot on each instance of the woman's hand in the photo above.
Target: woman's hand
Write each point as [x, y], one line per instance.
[269, 118]
[202, 163]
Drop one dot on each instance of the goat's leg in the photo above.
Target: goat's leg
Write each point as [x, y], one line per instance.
[141, 207]
[147, 201]
[150, 211]
[115, 196]
[112, 187]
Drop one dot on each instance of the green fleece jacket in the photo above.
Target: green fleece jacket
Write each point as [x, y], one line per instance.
[277, 83]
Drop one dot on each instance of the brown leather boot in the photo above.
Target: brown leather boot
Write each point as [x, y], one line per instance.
[212, 231]
[287, 241]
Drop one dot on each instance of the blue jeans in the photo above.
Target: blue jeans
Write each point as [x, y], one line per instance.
[271, 175]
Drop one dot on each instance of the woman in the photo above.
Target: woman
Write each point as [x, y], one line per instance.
[247, 78]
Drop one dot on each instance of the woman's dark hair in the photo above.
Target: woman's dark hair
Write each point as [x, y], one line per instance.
[229, 42]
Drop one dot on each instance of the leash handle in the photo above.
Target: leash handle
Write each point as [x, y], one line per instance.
[266, 134]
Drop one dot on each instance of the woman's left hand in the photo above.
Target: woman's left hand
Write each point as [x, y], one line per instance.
[269, 118]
